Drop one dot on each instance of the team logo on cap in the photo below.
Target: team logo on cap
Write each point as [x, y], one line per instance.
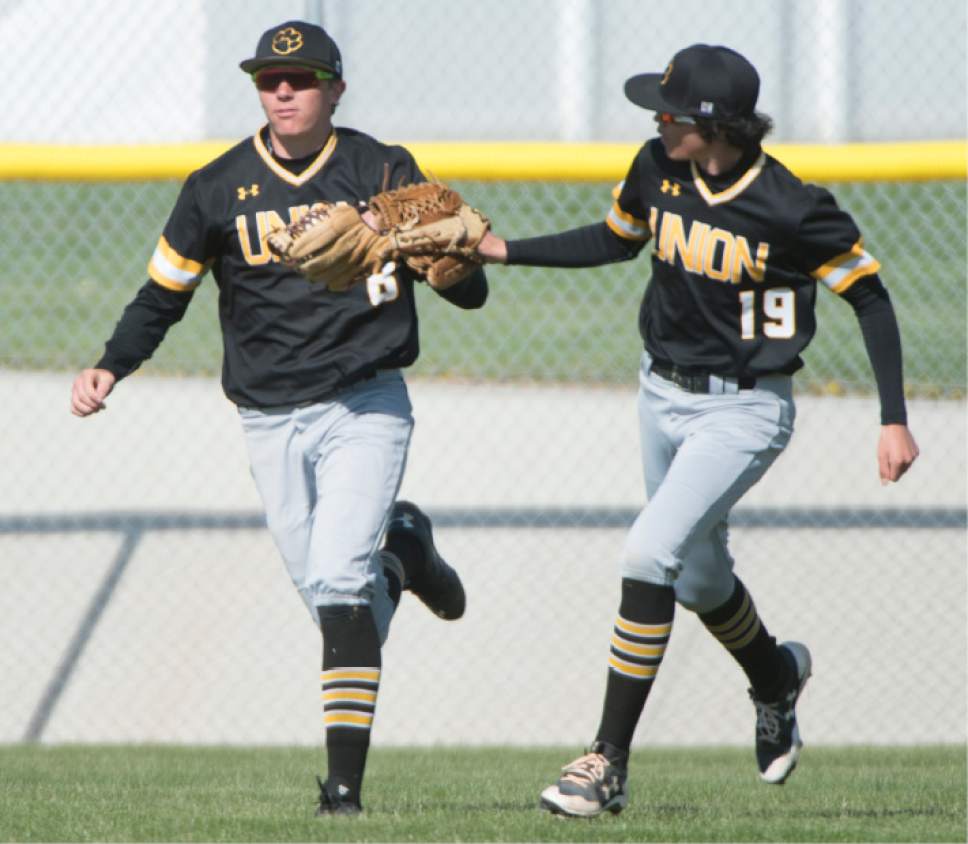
[287, 41]
[668, 73]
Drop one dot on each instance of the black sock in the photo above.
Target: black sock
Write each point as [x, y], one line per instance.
[350, 681]
[639, 639]
[739, 629]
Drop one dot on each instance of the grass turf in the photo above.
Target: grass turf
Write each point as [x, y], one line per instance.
[151, 793]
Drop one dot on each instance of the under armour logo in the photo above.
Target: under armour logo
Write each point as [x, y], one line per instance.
[670, 187]
[404, 520]
[244, 193]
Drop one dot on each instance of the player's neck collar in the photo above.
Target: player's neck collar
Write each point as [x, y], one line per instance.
[747, 169]
[303, 169]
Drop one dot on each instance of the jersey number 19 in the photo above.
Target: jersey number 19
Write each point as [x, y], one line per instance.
[779, 315]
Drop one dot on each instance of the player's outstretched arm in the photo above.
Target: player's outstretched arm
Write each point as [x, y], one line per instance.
[585, 246]
[91, 388]
[896, 451]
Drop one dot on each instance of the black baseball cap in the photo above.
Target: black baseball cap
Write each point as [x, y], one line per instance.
[296, 42]
[700, 81]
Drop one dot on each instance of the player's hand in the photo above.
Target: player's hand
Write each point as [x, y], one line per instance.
[896, 451]
[370, 219]
[493, 248]
[90, 390]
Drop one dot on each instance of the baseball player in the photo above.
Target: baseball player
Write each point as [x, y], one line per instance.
[740, 246]
[316, 375]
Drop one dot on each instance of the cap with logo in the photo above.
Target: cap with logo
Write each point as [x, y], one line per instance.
[700, 81]
[296, 43]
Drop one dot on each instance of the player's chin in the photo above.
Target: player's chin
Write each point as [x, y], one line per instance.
[674, 151]
[289, 123]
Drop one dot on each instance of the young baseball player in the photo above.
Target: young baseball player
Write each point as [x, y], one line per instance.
[739, 247]
[316, 375]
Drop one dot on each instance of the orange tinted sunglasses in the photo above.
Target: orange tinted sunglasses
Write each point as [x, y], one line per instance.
[683, 119]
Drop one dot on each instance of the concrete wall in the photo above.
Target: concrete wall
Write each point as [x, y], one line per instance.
[195, 635]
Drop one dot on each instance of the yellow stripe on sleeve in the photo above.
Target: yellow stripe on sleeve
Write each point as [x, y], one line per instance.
[840, 272]
[857, 273]
[626, 226]
[173, 271]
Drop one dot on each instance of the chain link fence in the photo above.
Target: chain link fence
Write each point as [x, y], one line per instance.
[143, 599]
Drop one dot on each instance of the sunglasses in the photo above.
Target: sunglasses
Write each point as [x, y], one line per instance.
[683, 119]
[298, 78]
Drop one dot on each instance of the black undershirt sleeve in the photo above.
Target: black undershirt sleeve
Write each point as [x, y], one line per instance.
[468, 293]
[142, 327]
[872, 305]
[588, 246]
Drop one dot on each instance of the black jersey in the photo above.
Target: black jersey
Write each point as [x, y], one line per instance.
[287, 341]
[735, 260]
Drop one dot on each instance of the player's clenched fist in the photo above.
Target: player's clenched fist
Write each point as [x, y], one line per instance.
[896, 452]
[91, 388]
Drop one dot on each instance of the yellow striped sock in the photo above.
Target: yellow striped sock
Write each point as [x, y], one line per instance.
[637, 649]
[349, 697]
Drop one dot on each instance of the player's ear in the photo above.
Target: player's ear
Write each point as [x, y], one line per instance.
[336, 89]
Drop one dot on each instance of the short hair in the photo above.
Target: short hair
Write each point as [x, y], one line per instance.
[742, 132]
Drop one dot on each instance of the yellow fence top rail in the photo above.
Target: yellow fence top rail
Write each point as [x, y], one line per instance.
[515, 161]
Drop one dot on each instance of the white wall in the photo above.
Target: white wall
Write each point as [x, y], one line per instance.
[205, 640]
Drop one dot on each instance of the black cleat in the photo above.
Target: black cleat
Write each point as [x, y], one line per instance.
[429, 578]
[778, 740]
[331, 803]
[592, 784]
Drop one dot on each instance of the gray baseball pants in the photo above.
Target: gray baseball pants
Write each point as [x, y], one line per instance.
[701, 452]
[328, 474]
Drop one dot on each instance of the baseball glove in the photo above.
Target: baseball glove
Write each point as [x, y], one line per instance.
[331, 245]
[431, 227]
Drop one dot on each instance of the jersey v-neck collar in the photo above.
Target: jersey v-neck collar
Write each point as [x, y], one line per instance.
[712, 197]
[295, 179]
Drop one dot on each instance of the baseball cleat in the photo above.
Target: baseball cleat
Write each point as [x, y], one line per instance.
[332, 803]
[589, 786]
[429, 577]
[777, 735]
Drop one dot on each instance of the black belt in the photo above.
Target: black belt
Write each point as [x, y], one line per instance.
[695, 380]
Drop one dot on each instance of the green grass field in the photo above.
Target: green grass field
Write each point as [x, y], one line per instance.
[68, 274]
[219, 794]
